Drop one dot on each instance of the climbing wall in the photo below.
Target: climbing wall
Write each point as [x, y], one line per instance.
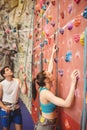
[16, 39]
[62, 23]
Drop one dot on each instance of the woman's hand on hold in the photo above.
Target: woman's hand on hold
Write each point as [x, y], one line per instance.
[75, 76]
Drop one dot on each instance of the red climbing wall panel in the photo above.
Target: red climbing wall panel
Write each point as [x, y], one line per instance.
[50, 20]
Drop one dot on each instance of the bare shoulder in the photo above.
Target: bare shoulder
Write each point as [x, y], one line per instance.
[47, 93]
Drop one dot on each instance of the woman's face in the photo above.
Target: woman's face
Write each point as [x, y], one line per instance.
[49, 76]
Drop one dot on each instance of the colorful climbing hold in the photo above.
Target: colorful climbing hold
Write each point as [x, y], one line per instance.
[77, 1]
[43, 33]
[68, 56]
[70, 26]
[47, 21]
[45, 60]
[45, 42]
[61, 30]
[7, 31]
[53, 2]
[41, 11]
[53, 24]
[47, 3]
[85, 13]
[42, 2]
[82, 39]
[77, 21]
[41, 44]
[62, 15]
[76, 37]
[14, 30]
[49, 17]
[44, 7]
[70, 8]
[61, 72]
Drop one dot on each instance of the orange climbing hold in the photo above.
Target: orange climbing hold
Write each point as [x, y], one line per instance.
[77, 21]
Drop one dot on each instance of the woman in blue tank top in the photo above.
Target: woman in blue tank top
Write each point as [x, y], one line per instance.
[48, 100]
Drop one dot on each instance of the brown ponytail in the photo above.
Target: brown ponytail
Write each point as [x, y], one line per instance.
[40, 79]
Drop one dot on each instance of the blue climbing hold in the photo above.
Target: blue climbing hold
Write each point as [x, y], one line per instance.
[41, 44]
[85, 13]
[44, 7]
[47, 21]
[68, 56]
[45, 42]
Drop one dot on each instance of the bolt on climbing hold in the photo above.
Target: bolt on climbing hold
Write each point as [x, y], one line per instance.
[82, 39]
[61, 72]
[70, 26]
[62, 15]
[70, 8]
[53, 24]
[53, 2]
[77, 1]
[61, 30]
[76, 38]
[77, 21]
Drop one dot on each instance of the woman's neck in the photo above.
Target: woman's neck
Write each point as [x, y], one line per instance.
[48, 86]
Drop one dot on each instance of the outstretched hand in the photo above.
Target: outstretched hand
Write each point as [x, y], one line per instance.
[24, 77]
[75, 75]
[54, 49]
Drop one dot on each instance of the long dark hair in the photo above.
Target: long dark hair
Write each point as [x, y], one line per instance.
[40, 80]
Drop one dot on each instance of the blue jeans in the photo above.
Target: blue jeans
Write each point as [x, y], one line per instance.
[13, 116]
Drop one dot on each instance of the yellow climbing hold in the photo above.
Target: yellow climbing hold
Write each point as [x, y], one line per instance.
[50, 18]
[82, 39]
